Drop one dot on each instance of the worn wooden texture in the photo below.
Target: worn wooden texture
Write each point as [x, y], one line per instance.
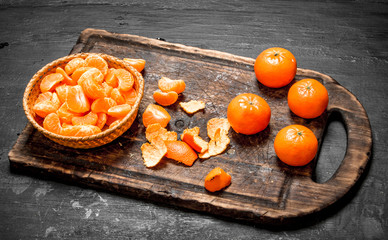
[263, 189]
[344, 39]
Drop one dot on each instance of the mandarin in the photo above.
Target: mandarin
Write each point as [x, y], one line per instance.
[296, 145]
[275, 67]
[308, 98]
[248, 113]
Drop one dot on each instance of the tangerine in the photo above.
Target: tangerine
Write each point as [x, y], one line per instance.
[76, 99]
[296, 145]
[275, 67]
[125, 79]
[308, 98]
[120, 111]
[52, 123]
[248, 113]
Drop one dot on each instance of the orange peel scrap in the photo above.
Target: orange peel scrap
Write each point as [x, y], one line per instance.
[192, 106]
[191, 137]
[217, 179]
[215, 123]
[153, 152]
[217, 145]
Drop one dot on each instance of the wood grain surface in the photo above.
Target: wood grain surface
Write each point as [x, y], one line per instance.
[263, 189]
[346, 40]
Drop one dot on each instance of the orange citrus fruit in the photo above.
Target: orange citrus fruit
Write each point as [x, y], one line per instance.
[248, 113]
[50, 81]
[275, 67]
[73, 64]
[52, 123]
[101, 120]
[76, 99]
[165, 98]
[67, 80]
[97, 62]
[137, 63]
[125, 79]
[102, 105]
[156, 114]
[116, 95]
[217, 179]
[80, 130]
[88, 119]
[181, 152]
[308, 98]
[119, 111]
[296, 145]
[167, 85]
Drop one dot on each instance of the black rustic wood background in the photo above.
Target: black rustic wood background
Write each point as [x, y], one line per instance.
[346, 40]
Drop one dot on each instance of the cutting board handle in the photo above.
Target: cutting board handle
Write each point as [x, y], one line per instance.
[359, 142]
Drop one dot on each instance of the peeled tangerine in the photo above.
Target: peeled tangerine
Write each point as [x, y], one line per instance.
[217, 179]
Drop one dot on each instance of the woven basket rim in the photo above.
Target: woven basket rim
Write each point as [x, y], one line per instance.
[44, 70]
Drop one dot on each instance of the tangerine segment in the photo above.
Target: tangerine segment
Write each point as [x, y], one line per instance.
[137, 63]
[308, 98]
[43, 97]
[50, 81]
[78, 73]
[192, 106]
[111, 79]
[125, 79]
[67, 80]
[116, 95]
[129, 96]
[248, 113]
[76, 100]
[90, 83]
[45, 104]
[165, 98]
[65, 115]
[107, 89]
[119, 111]
[97, 62]
[61, 91]
[167, 85]
[180, 152]
[217, 145]
[275, 67]
[115, 123]
[73, 64]
[156, 114]
[217, 179]
[101, 120]
[215, 123]
[296, 145]
[191, 137]
[156, 130]
[89, 119]
[153, 153]
[103, 105]
[80, 130]
[52, 123]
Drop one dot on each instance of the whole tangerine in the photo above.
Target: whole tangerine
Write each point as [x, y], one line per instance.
[308, 98]
[296, 145]
[248, 113]
[275, 67]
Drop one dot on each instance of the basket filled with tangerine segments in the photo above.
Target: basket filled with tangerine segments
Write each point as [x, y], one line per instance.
[84, 100]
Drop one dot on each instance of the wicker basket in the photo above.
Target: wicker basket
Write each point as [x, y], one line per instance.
[32, 91]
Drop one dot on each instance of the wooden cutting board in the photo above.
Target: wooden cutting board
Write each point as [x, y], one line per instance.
[262, 190]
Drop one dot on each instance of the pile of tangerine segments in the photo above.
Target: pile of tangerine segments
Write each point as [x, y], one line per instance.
[86, 96]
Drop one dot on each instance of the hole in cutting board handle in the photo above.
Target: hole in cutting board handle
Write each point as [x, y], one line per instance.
[332, 150]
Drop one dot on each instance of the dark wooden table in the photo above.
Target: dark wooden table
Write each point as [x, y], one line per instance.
[347, 41]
